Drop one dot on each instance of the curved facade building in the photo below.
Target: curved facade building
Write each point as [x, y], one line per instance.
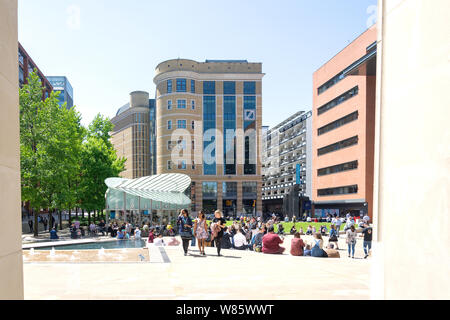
[133, 135]
[208, 126]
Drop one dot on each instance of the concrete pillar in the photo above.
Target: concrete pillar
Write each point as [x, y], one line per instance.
[239, 204]
[412, 154]
[11, 270]
[220, 195]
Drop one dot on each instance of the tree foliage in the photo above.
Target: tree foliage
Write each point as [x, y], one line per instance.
[63, 164]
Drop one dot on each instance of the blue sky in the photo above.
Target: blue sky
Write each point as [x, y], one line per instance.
[108, 48]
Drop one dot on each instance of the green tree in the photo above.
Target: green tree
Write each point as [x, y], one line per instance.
[98, 162]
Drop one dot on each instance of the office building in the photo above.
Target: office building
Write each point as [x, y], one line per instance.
[343, 129]
[133, 135]
[62, 84]
[286, 165]
[27, 66]
[209, 127]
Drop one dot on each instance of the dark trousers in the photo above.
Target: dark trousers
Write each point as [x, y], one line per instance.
[186, 244]
[218, 242]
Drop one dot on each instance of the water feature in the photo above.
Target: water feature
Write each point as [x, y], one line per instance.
[114, 244]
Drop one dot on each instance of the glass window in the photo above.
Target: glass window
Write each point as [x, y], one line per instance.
[230, 190]
[169, 86]
[249, 190]
[192, 86]
[169, 124]
[330, 83]
[169, 145]
[181, 124]
[250, 135]
[169, 165]
[338, 145]
[193, 104]
[229, 127]
[21, 77]
[169, 104]
[20, 57]
[337, 191]
[181, 85]
[209, 124]
[209, 87]
[209, 189]
[182, 164]
[338, 168]
[182, 144]
[249, 87]
[229, 87]
[193, 124]
[337, 101]
[181, 104]
[338, 123]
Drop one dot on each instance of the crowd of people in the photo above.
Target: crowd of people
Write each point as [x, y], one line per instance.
[244, 233]
[251, 233]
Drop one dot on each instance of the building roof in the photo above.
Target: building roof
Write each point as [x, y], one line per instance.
[123, 109]
[158, 191]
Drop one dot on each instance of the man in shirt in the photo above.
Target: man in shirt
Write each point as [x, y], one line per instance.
[367, 244]
[257, 240]
[271, 242]
[240, 242]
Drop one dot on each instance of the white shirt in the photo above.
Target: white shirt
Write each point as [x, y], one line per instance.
[137, 234]
[308, 219]
[239, 240]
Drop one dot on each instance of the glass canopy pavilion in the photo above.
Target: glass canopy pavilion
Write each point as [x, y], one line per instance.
[147, 199]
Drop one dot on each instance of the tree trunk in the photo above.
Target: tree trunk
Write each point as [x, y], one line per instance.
[36, 223]
[60, 220]
[76, 213]
[70, 217]
[89, 217]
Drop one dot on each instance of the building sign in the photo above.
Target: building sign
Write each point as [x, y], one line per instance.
[298, 171]
[249, 115]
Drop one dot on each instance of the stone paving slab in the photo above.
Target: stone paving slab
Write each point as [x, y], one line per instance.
[238, 275]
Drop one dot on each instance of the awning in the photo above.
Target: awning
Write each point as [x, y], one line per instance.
[367, 65]
[159, 192]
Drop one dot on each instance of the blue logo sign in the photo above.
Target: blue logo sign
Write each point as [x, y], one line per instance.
[298, 172]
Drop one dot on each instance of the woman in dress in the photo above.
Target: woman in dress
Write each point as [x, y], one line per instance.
[201, 231]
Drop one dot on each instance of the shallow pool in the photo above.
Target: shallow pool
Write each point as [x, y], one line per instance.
[115, 244]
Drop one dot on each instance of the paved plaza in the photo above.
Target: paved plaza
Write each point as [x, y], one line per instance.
[237, 275]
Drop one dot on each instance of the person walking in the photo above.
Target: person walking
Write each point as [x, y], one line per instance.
[184, 223]
[351, 241]
[201, 231]
[367, 244]
[45, 222]
[30, 224]
[219, 225]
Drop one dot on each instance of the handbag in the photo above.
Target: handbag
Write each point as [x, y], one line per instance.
[185, 234]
